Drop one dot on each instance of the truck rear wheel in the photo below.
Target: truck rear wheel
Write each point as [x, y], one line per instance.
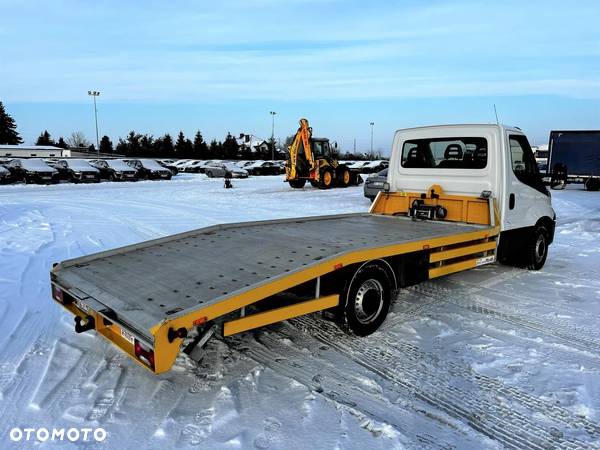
[297, 184]
[326, 179]
[592, 184]
[536, 251]
[367, 299]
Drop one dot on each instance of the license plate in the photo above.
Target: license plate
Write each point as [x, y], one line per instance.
[45, 178]
[377, 184]
[127, 335]
[89, 176]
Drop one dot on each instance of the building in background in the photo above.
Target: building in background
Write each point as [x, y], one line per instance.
[32, 151]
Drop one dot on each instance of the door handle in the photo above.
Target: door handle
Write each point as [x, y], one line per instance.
[511, 201]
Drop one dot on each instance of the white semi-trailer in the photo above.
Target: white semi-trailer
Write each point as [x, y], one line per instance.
[457, 197]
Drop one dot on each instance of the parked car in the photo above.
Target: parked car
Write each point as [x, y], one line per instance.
[358, 165]
[5, 175]
[32, 170]
[169, 165]
[374, 166]
[114, 170]
[76, 170]
[149, 169]
[264, 168]
[180, 162]
[221, 169]
[193, 166]
[374, 184]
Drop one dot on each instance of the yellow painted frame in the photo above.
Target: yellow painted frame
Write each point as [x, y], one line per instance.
[279, 314]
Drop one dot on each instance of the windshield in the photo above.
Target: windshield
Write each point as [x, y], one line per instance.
[36, 164]
[78, 164]
[118, 164]
[151, 164]
[231, 166]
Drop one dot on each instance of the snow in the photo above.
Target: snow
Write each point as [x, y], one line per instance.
[118, 164]
[36, 164]
[490, 358]
[80, 164]
[151, 164]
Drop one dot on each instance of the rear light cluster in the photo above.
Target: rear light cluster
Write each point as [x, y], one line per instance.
[144, 353]
[61, 296]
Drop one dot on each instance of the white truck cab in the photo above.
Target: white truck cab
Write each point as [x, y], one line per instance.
[473, 160]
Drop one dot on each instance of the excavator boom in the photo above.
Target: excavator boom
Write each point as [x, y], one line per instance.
[302, 139]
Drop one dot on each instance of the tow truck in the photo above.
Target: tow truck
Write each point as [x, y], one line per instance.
[456, 197]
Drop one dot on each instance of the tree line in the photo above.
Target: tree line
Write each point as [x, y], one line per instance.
[148, 146]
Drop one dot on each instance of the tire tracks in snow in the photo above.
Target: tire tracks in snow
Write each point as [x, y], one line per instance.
[578, 336]
[503, 413]
[337, 386]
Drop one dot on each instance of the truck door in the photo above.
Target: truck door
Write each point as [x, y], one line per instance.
[525, 188]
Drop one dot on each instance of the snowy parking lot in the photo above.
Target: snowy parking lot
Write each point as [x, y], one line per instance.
[489, 358]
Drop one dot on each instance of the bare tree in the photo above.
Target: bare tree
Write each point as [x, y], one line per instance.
[77, 139]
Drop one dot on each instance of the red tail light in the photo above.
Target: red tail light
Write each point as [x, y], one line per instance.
[57, 294]
[144, 354]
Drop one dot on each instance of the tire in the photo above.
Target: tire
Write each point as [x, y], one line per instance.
[111, 177]
[209, 174]
[367, 297]
[344, 177]
[536, 252]
[326, 179]
[297, 184]
[592, 184]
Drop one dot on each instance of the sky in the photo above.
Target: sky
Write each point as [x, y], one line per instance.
[223, 66]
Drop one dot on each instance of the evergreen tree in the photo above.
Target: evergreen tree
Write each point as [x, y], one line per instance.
[106, 145]
[130, 146]
[200, 149]
[163, 147]
[230, 147]
[45, 139]
[121, 147]
[147, 146]
[183, 146]
[8, 129]
[62, 144]
[215, 151]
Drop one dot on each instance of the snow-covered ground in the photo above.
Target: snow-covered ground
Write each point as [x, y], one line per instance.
[490, 358]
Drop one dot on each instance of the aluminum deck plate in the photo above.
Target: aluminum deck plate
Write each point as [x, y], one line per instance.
[147, 282]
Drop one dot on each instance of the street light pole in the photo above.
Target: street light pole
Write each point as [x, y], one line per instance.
[273, 135]
[96, 94]
[372, 124]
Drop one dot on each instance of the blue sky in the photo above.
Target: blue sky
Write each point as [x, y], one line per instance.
[222, 66]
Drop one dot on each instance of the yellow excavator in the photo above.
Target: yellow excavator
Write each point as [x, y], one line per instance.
[311, 159]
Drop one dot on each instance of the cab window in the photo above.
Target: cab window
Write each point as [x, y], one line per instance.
[445, 153]
[317, 148]
[523, 163]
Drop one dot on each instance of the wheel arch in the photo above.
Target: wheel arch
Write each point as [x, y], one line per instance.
[383, 263]
[549, 224]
